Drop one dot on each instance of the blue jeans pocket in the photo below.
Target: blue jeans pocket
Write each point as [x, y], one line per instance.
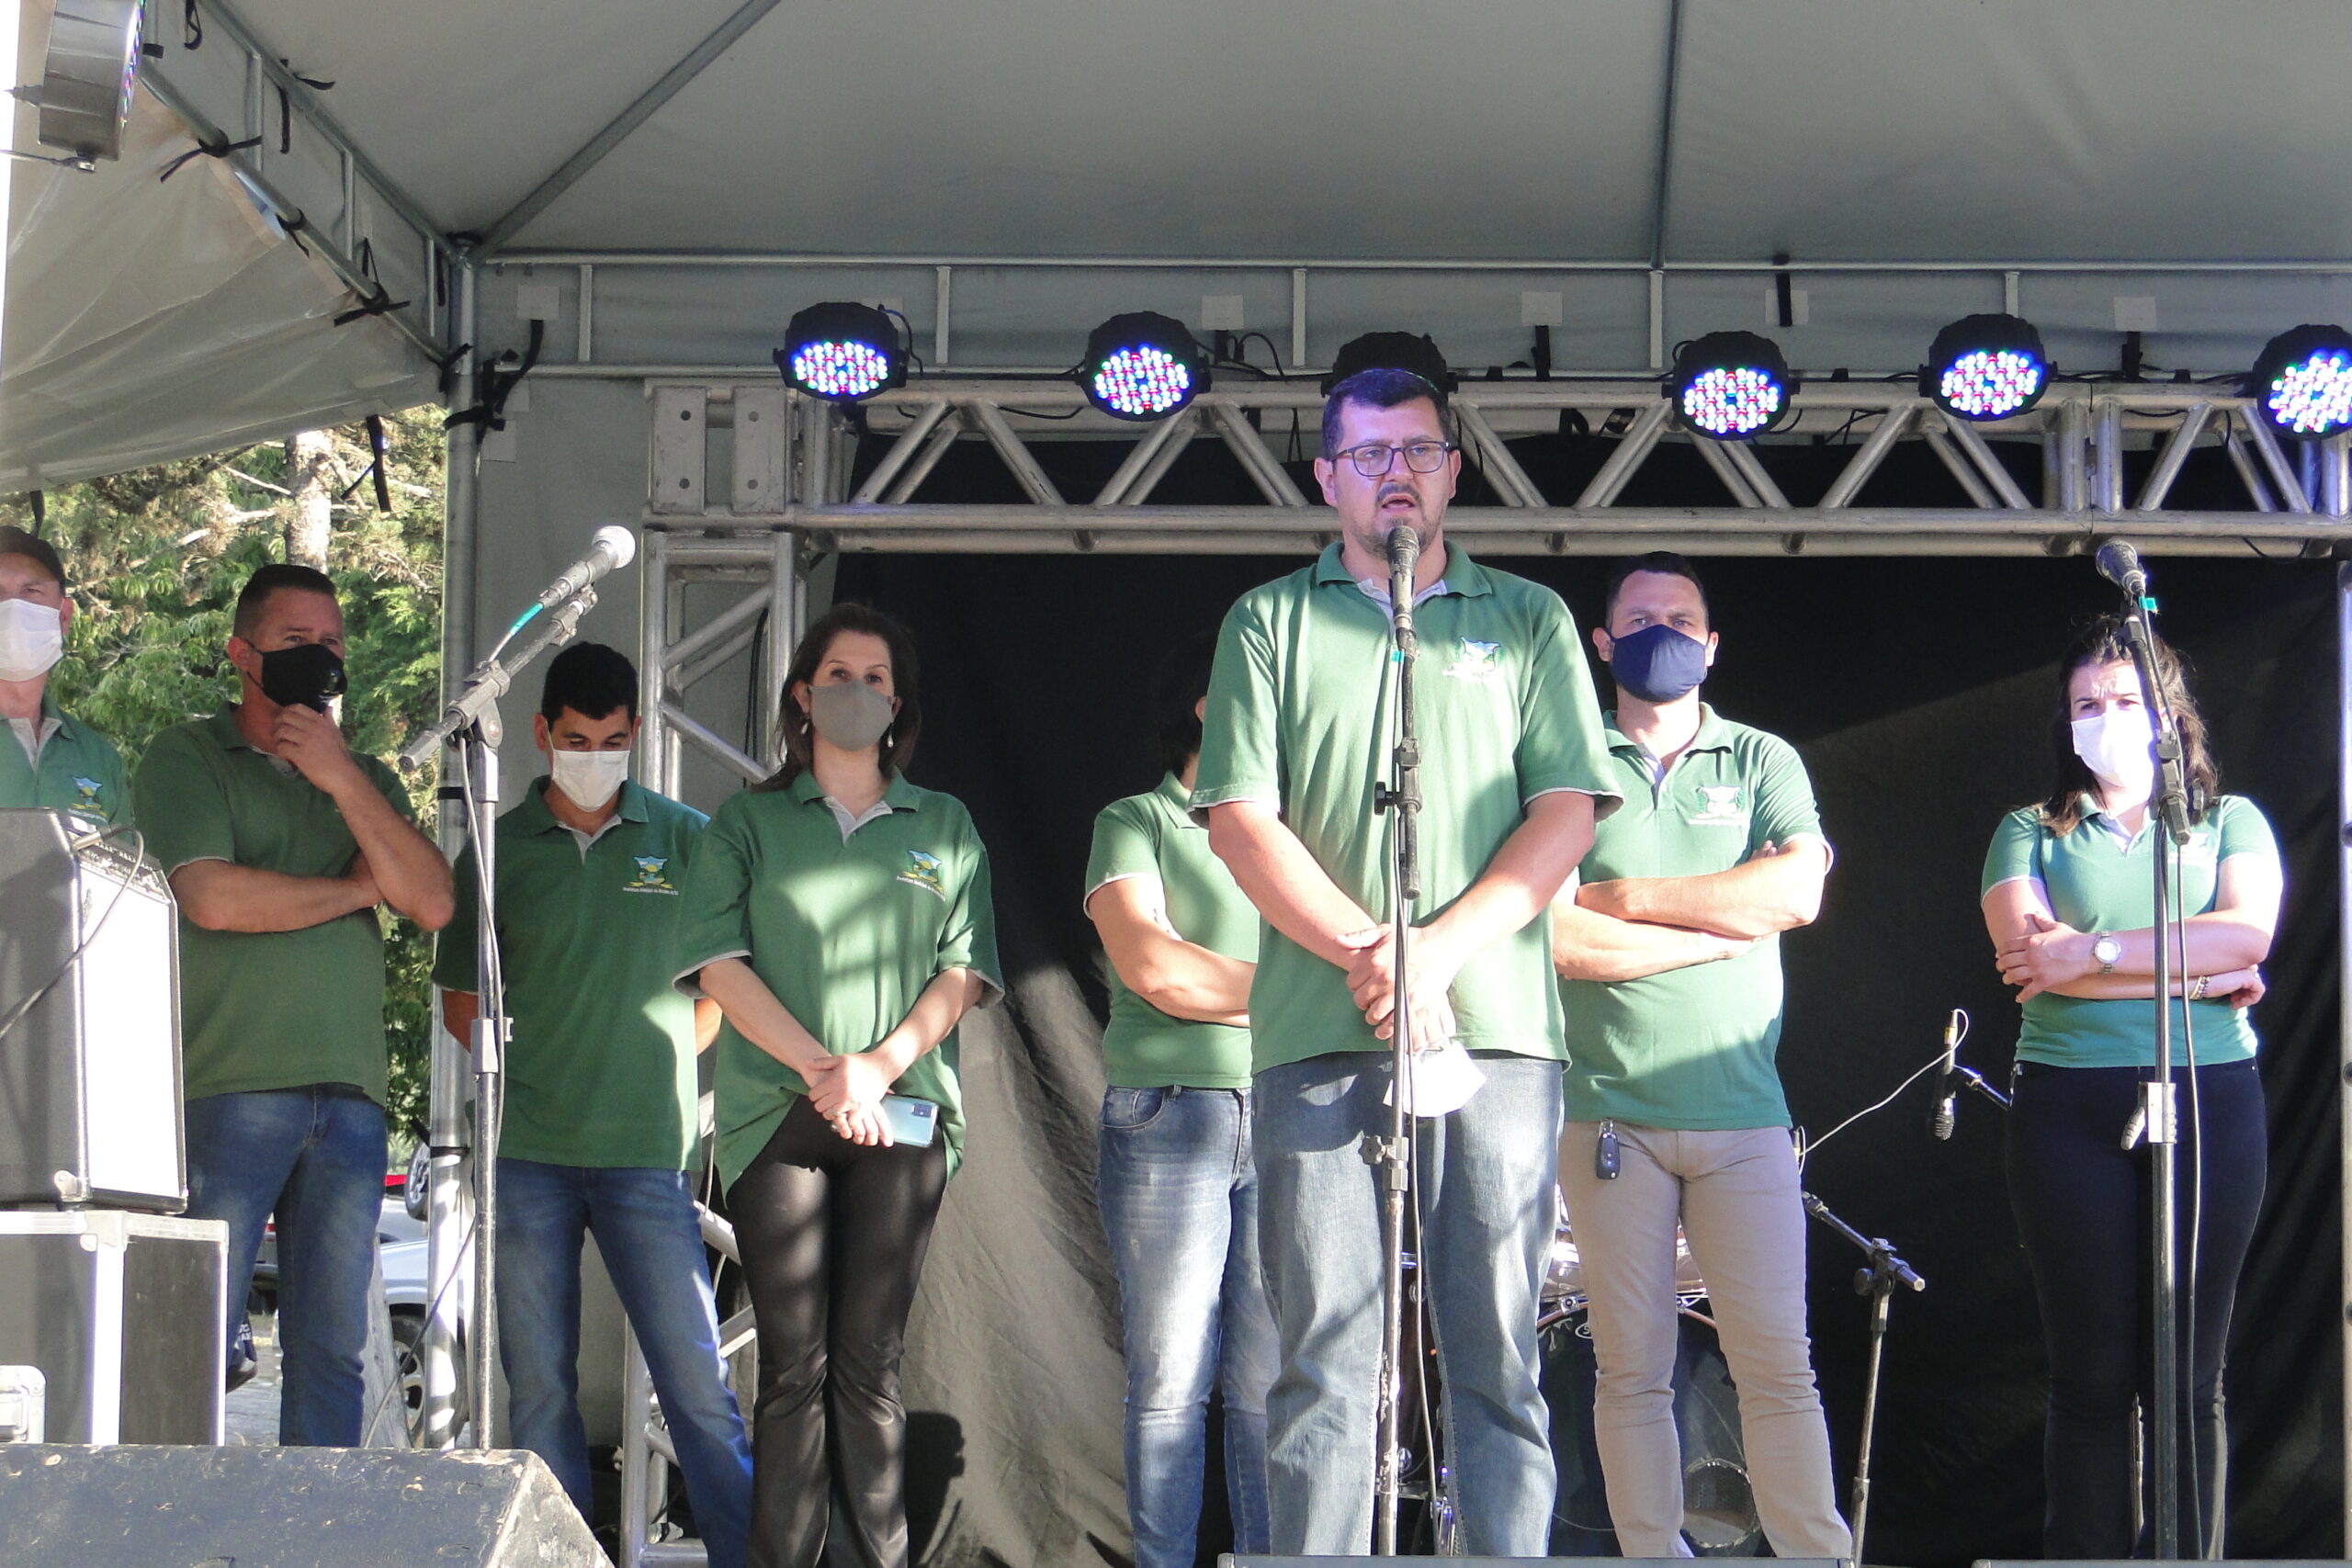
[1132, 1110]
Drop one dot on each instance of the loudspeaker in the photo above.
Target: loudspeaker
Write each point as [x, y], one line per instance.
[136, 1507]
[126, 1318]
[90, 1074]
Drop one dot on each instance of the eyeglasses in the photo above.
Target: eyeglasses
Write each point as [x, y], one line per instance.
[1374, 457]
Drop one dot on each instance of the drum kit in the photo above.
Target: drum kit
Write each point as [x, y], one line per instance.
[1719, 1508]
[1719, 1515]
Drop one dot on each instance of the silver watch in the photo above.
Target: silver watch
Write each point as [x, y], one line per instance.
[2106, 951]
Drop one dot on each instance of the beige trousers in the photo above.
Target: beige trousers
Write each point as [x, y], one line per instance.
[1735, 1194]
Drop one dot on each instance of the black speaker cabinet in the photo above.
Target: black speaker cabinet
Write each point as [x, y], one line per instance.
[90, 1074]
[125, 1318]
[269, 1507]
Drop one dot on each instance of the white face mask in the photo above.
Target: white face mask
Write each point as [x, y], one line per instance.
[32, 637]
[2119, 746]
[589, 779]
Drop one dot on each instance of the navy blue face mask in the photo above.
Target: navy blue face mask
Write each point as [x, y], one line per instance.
[1658, 663]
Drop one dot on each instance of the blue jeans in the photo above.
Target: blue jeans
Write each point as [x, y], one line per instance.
[1179, 1192]
[1487, 1177]
[315, 1156]
[644, 1224]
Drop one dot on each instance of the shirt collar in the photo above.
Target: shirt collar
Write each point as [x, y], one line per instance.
[538, 816]
[229, 737]
[1713, 735]
[1171, 790]
[897, 794]
[1464, 578]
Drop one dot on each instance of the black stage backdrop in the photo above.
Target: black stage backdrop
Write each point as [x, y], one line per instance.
[1920, 694]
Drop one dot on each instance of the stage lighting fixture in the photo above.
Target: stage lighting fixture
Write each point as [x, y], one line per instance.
[1142, 365]
[842, 353]
[2303, 381]
[86, 77]
[1731, 386]
[1988, 366]
[1415, 353]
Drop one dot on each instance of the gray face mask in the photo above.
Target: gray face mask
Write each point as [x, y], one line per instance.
[850, 715]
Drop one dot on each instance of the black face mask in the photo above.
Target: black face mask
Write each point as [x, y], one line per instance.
[305, 676]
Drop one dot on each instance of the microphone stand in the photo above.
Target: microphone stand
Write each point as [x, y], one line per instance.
[1877, 1281]
[1388, 1155]
[471, 723]
[2156, 1114]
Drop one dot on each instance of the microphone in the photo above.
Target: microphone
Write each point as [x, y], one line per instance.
[2120, 564]
[1404, 558]
[613, 548]
[1946, 1106]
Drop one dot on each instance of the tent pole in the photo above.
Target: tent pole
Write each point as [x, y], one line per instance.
[445, 1228]
[2344, 1025]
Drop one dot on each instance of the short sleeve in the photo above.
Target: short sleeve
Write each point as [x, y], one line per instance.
[1239, 758]
[2245, 831]
[1784, 805]
[968, 937]
[1123, 847]
[457, 950]
[1560, 742]
[388, 783]
[181, 807]
[714, 907]
[2013, 854]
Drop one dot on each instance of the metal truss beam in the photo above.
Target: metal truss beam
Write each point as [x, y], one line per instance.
[2084, 431]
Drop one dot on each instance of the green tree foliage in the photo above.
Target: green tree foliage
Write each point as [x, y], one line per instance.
[155, 557]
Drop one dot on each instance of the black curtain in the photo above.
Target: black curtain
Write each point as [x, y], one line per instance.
[1919, 692]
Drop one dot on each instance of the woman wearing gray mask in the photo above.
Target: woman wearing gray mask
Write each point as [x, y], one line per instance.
[839, 916]
[2068, 898]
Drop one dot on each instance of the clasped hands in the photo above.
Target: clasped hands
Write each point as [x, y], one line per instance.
[847, 1092]
[2053, 953]
[1431, 964]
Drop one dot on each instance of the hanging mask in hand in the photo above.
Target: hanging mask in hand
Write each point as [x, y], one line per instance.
[850, 715]
[31, 638]
[1658, 663]
[305, 676]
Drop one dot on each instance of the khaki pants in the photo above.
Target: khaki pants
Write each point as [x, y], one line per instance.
[1736, 1195]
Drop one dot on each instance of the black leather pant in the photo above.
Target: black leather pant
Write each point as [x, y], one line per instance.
[832, 1238]
[2083, 1212]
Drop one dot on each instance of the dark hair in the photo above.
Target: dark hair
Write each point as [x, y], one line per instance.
[2103, 641]
[1382, 389]
[590, 679]
[1177, 686]
[1666, 563]
[906, 682]
[253, 599]
[15, 541]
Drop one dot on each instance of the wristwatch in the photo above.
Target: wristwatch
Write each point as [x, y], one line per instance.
[2106, 951]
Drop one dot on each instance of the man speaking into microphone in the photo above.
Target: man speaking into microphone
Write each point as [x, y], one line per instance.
[1513, 773]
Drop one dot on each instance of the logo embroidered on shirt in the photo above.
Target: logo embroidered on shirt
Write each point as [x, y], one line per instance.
[649, 876]
[1721, 808]
[926, 871]
[86, 792]
[1476, 661]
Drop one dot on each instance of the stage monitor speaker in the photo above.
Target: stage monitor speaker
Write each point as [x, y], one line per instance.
[125, 1316]
[90, 1073]
[270, 1508]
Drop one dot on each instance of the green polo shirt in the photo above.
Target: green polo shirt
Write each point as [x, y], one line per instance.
[1154, 835]
[1692, 1048]
[2096, 881]
[264, 1009]
[602, 1069]
[79, 769]
[1299, 717]
[846, 931]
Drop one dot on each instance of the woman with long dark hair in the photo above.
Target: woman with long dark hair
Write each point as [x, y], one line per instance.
[839, 916]
[2070, 903]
